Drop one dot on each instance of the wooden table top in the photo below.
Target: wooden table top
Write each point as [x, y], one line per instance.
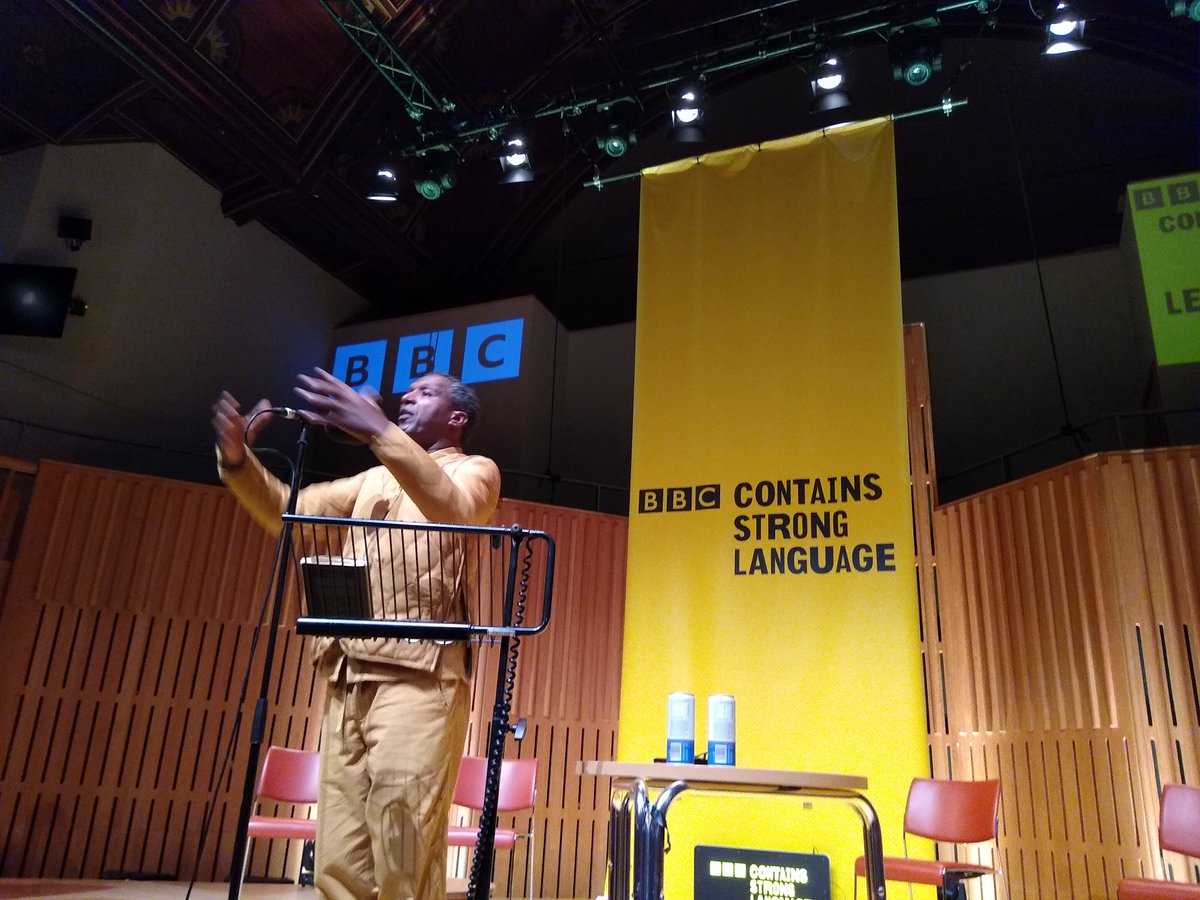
[723, 777]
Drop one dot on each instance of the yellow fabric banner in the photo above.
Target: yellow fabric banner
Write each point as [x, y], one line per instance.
[770, 539]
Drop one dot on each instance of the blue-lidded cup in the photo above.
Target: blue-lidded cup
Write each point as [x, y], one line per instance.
[681, 728]
[721, 721]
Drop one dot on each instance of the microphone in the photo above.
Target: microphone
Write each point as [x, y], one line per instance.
[284, 412]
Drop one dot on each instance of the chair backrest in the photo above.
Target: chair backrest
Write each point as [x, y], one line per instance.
[292, 776]
[518, 783]
[960, 812]
[1179, 819]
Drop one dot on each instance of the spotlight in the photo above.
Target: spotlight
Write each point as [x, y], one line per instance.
[1188, 8]
[827, 85]
[915, 51]
[617, 132]
[382, 187]
[435, 177]
[1064, 30]
[687, 111]
[515, 166]
[615, 140]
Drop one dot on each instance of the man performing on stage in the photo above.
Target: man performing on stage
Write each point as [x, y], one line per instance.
[396, 711]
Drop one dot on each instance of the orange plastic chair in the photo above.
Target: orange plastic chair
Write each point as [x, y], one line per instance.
[518, 790]
[289, 776]
[1179, 831]
[958, 812]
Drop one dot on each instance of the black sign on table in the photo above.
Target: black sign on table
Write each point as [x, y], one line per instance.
[736, 873]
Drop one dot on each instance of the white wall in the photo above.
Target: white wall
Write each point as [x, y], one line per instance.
[182, 303]
[593, 413]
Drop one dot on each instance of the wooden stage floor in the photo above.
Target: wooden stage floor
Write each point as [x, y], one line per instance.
[20, 888]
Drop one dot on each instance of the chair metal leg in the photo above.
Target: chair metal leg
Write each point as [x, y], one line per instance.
[904, 844]
[245, 867]
[532, 863]
[1000, 878]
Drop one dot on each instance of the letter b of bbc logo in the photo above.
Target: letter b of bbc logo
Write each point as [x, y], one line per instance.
[491, 352]
[679, 499]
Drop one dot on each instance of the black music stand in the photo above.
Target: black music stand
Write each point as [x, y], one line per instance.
[358, 572]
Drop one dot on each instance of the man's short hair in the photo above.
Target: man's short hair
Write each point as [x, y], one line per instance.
[464, 399]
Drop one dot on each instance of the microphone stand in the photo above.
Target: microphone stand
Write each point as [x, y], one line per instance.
[258, 724]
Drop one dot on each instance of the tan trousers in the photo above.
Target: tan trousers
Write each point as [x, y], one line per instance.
[390, 752]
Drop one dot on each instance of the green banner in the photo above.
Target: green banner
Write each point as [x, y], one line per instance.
[1166, 222]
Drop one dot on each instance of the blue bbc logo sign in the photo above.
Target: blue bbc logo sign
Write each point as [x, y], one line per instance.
[491, 352]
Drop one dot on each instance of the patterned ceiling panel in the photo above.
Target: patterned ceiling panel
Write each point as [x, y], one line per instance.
[288, 48]
[51, 75]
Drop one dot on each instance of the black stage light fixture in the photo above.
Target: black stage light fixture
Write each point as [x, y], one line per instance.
[828, 84]
[435, 175]
[915, 51]
[618, 130]
[1181, 8]
[1064, 30]
[615, 139]
[382, 186]
[515, 164]
[75, 231]
[687, 112]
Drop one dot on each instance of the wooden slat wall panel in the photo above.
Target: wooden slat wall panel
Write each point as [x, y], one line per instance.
[129, 623]
[16, 485]
[129, 618]
[1155, 501]
[1068, 605]
[132, 542]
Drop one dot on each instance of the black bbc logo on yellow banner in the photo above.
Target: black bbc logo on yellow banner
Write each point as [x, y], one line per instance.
[679, 499]
[736, 873]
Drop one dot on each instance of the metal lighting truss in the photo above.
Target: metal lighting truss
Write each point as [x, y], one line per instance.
[420, 99]
[361, 28]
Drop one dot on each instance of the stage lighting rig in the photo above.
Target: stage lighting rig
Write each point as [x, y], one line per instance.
[1064, 30]
[436, 175]
[382, 186]
[687, 112]
[618, 126]
[829, 83]
[515, 164]
[915, 51]
[1184, 8]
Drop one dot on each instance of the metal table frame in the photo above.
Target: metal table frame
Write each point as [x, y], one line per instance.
[635, 818]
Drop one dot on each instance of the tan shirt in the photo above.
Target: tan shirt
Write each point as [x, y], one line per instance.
[409, 578]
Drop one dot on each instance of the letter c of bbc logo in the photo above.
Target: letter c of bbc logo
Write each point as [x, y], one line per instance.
[679, 499]
[491, 352]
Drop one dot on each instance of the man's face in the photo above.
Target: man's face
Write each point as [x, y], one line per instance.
[427, 414]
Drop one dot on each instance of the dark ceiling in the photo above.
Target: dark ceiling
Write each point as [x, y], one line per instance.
[271, 103]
